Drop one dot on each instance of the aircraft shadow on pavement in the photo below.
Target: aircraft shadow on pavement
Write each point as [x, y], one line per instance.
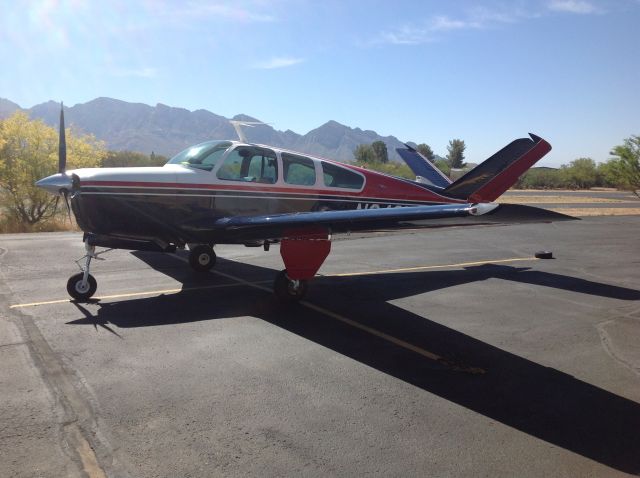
[537, 400]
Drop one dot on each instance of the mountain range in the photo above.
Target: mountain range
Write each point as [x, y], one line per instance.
[167, 130]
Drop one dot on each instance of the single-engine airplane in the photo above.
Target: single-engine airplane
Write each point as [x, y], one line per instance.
[237, 192]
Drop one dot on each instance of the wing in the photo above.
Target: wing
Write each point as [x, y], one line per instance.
[277, 226]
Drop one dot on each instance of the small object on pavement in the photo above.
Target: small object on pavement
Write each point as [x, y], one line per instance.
[544, 255]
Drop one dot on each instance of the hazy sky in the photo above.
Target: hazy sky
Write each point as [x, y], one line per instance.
[424, 71]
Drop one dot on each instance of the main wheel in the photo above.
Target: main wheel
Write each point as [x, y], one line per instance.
[80, 291]
[287, 290]
[202, 258]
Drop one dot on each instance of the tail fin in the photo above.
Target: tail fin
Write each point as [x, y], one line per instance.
[422, 167]
[487, 182]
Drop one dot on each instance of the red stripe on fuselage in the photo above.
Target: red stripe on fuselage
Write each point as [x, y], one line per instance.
[387, 188]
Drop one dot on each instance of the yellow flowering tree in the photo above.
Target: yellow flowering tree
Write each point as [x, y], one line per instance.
[29, 152]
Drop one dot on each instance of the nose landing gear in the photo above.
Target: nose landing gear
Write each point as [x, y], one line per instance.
[83, 285]
[80, 288]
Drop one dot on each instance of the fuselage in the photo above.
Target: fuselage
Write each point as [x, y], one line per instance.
[227, 179]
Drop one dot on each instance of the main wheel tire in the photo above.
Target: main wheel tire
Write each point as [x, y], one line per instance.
[202, 258]
[286, 290]
[80, 291]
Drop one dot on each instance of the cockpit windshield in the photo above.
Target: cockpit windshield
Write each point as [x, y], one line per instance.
[201, 156]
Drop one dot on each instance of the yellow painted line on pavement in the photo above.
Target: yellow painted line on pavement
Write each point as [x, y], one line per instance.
[442, 266]
[345, 320]
[134, 294]
[258, 285]
[370, 330]
[341, 318]
[377, 333]
[33, 304]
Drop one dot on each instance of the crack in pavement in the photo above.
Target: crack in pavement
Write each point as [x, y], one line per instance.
[610, 343]
[78, 425]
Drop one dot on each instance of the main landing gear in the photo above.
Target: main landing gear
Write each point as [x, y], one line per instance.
[289, 290]
[202, 258]
[303, 252]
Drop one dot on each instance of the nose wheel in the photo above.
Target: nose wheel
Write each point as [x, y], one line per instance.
[288, 290]
[202, 258]
[81, 289]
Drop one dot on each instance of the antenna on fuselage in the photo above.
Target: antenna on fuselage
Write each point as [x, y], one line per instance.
[237, 125]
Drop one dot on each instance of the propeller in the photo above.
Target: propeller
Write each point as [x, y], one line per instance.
[65, 193]
[61, 184]
[62, 144]
[62, 161]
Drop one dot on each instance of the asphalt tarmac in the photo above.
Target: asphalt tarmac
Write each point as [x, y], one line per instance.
[447, 352]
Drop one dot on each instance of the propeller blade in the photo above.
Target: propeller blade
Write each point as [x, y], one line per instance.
[62, 144]
[65, 193]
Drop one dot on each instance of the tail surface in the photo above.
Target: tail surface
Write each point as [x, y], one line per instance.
[423, 168]
[487, 181]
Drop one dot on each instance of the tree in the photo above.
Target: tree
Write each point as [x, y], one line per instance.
[624, 169]
[380, 151]
[118, 159]
[581, 173]
[28, 152]
[443, 166]
[541, 178]
[455, 157]
[426, 151]
[392, 168]
[364, 153]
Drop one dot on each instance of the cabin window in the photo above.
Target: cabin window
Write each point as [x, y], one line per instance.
[201, 156]
[250, 164]
[298, 170]
[338, 177]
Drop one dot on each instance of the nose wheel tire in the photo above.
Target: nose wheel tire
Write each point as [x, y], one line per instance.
[288, 290]
[80, 291]
[202, 258]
